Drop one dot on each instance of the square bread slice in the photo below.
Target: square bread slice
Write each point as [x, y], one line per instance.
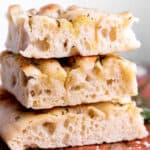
[68, 126]
[49, 83]
[53, 32]
[40, 84]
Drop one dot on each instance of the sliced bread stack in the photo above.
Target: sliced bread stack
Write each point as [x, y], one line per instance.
[66, 85]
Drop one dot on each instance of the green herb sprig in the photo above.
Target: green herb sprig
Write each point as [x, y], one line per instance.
[143, 102]
[146, 114]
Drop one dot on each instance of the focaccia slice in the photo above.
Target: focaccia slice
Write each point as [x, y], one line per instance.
[53, 32]
[49, 83]
[68, 126]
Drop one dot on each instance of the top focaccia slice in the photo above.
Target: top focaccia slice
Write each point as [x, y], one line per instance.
[53, 32]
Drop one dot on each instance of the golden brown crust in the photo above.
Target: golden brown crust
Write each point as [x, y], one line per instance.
[49, 8]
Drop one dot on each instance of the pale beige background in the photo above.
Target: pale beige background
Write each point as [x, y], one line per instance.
[140, 8]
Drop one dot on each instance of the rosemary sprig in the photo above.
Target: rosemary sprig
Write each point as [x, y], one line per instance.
[146, 114]
[141, 101]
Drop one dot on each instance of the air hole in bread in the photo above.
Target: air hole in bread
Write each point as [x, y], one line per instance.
[58, 23]
[65, 43]
[74, 50]
[32, 93]
[70, 129]
[66, 138]
[32, 146]
[40, 134]
[37, 139]
[62, 97]
[24, 79]
[96, 126]
[24, 131]
[30, 22]
[50, 127]
[83, 127]
[39, 92]
[76, 88]
[97, 88]
[110, 81]
[93, 96]
[88, 78]
[66, 123]
[113, 34]
[13, 80]
[48, 91]
[92, 113]
[106, 92]
[43, 44]
[29, 138]
[104, 32]
[36, 104]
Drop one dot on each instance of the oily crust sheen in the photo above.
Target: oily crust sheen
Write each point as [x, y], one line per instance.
[40, 84]
[53, 32]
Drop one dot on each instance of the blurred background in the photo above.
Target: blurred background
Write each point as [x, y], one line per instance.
[140, 9]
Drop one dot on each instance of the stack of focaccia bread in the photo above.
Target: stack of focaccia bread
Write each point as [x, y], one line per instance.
[68, 87]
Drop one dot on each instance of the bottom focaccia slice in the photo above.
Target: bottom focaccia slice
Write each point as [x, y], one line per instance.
[68, 126]
[41, 84]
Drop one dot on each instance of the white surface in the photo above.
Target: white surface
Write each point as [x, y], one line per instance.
[140, 8]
